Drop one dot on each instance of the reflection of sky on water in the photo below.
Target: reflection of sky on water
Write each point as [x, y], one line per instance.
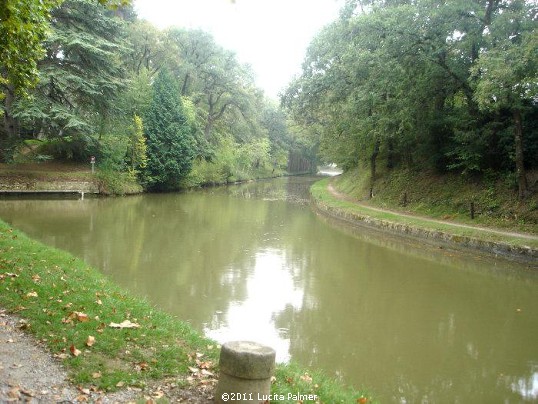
[270, 288]
[527, 387]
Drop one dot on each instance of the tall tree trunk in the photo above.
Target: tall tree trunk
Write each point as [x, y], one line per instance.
[210, 118]
[373, 162]
[185, 84]
[10, 123]
[208, 128]
[390, 154]
[520, 162]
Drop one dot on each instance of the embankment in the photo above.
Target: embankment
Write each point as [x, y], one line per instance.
[515, 246]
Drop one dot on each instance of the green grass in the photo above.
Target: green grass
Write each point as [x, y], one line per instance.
[322, 195]
[447, 196]
[109, 182]
[64, 302]
[37, 176]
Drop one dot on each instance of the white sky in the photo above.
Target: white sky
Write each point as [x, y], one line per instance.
[270, 35]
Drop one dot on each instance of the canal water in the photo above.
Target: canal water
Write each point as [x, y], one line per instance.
[407, 321]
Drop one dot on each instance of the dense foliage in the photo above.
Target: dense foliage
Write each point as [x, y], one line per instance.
[23, 25]
[445, 85]
[170, 136]
[428, 84]
[93, 87]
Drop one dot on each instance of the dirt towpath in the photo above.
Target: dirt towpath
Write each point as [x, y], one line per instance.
[345, 197]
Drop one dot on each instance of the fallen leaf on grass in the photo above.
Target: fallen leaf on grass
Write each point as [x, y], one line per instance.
[306, 378]
[8, 275]
[204, 365]
[124, 324]
[200, 372]
[142, 366]
[96, 375]
[82, 317]
[90, 341]
[74, 351]
[76, 315]
[31, 294]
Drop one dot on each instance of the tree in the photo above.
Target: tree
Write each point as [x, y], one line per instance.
[136, 98]
[171, 145]
[213, 78]
[80, 77]
[146, 49]
[426, 83]
[507, 78]
[138, 149]
[23, 27]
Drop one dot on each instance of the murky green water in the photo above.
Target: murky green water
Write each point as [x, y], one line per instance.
[409, 322]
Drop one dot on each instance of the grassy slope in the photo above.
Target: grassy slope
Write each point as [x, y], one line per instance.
[111, 182]
[64, 302]
[392, 221]
[41, 175]
[446, 197]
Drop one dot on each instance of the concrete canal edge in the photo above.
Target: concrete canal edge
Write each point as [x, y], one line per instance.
[523, 254]
[19, 188]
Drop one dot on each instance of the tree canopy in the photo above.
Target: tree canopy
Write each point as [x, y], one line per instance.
[428, 84]
[23, 27]
[448, 85]
[164, 107]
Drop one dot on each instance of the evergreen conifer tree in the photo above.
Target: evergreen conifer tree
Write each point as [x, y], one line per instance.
[171, 144]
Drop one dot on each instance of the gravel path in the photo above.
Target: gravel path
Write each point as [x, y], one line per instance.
[29, 374]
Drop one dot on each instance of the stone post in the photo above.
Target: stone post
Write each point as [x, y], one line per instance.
[245, 372]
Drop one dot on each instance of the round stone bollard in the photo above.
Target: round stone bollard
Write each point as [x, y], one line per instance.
[245, 372]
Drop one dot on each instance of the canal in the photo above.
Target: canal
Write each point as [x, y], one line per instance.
[407, 321]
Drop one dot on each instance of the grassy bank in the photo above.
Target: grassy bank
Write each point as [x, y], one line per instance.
[53, 175]
[108, 339]
[447, 197]
[483, 239]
